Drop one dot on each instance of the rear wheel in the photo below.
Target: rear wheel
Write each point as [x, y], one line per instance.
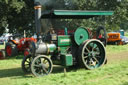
[26, 63]
[91, 54]
[11, 49]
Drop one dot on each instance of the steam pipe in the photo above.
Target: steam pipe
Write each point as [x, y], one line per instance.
[37, 8]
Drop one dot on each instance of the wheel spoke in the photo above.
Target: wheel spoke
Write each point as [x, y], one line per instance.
[92, 63]
[98, 56]
[86, 61]
[44, 61]
[37, 65]
[95, 59]
[28, 61]
[85, 55]
[37, 61]
[92, 44]
[87, 49]
[97, 53]
[45, 69]
[27, 64]
[94, 47]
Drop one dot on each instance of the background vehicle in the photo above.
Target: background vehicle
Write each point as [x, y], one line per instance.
[4, 38]
[116, 38]
[18, 44]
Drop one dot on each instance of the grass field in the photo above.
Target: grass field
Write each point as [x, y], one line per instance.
[2, 46]
[115, 73]
[110, 49]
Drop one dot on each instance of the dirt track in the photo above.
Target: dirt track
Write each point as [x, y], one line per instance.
[116, 57]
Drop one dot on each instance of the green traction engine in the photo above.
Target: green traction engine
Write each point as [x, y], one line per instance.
[74, 49]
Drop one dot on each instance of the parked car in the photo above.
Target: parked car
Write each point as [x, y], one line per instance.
[4, 37]
[1, 41]
[124, 39]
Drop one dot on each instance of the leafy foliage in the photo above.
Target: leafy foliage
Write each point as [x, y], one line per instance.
[112, 23]
[18, 15]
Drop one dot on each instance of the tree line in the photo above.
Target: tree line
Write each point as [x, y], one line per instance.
[18, 15]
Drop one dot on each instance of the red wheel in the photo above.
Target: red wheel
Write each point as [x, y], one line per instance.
[10, 49]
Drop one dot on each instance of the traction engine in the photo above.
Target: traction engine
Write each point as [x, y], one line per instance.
[74, 49]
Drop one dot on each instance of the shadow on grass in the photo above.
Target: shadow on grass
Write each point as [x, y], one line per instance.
[19, 56]
[14, 72]
[18, 73]
[60, 69]
[126, 83]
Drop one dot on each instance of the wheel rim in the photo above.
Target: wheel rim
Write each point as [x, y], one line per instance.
[93, 54]
[26, 64]
[41, 66]
[9, 50]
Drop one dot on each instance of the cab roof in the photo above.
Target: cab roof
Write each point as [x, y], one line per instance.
[74, 14]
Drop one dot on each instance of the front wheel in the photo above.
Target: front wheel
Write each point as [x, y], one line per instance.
[41, 66]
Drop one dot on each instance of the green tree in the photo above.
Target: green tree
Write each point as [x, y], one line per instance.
[17, 15]
[120, 12]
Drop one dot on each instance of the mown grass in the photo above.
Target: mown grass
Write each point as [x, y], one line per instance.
[126, 33]
[2, 46]
[116, 48]
[109, 74]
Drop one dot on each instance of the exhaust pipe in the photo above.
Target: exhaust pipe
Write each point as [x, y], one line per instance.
[37, 8]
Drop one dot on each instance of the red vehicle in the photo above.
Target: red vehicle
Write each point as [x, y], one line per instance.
[17, 45]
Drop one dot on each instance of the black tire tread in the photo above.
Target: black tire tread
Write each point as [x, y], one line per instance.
[14, 49]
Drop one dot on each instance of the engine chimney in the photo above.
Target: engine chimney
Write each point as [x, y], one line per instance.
[37, 8]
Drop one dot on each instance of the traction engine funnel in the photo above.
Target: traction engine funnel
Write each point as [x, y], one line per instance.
[37, 8]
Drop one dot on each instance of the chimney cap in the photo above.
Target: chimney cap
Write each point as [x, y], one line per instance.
[37, 4]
